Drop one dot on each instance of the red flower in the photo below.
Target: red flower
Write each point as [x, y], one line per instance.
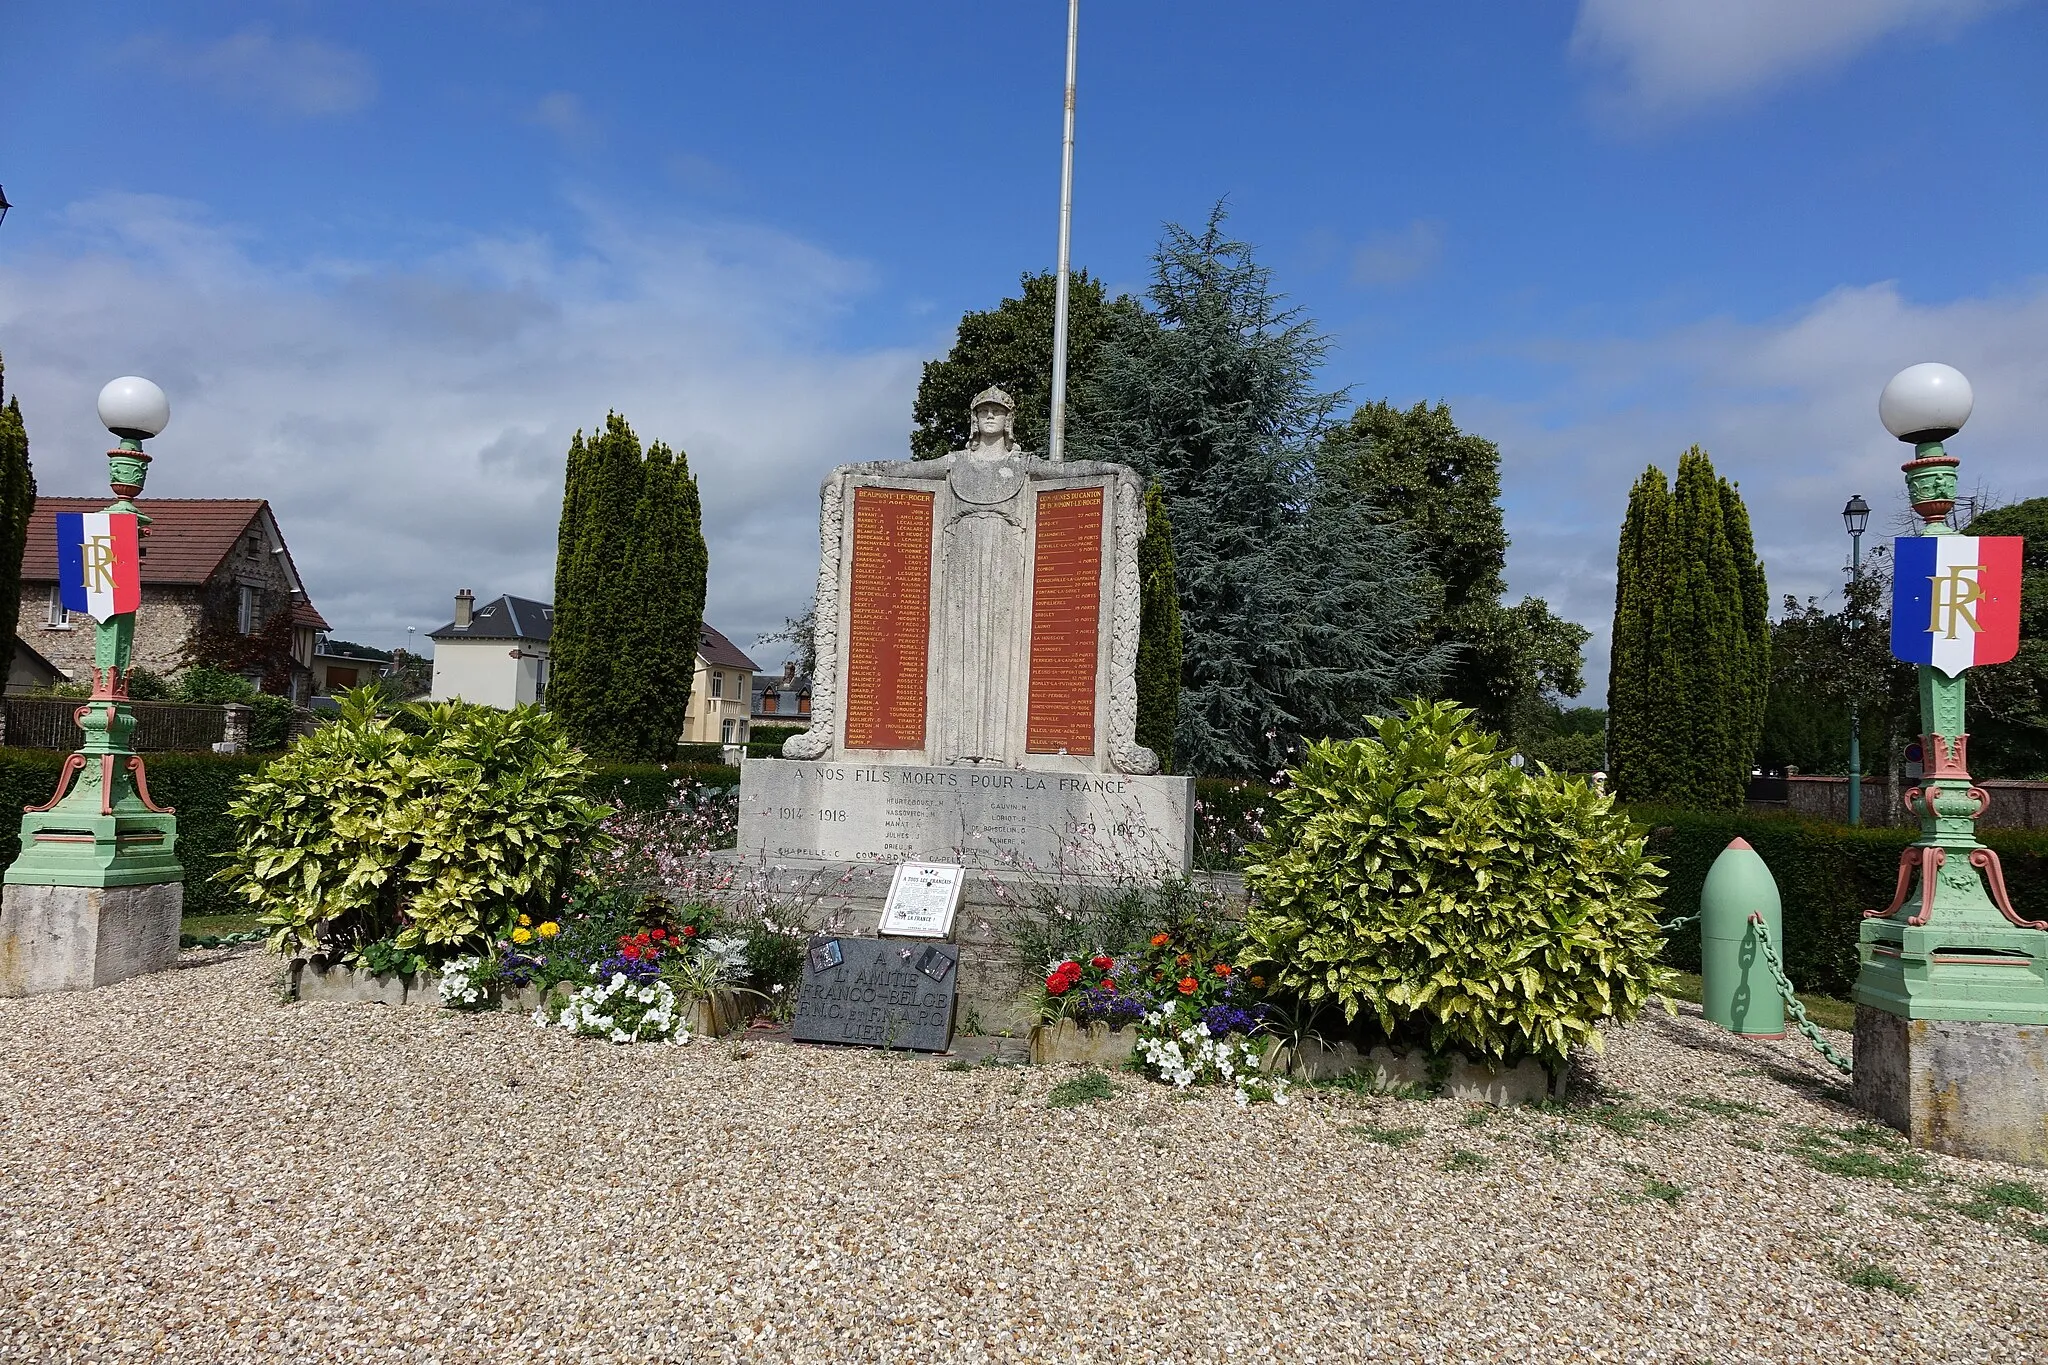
[1223, 969]
[659, 934]
[1187, 985]
[1102, 964]
[630, 953]
[1058, 984]
[689, 931]
[1070, 970]
[1108, 985]
[1159, 940]
[641, 938]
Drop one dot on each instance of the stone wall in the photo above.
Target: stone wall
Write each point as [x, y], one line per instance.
[2014, 805]
[163, 623]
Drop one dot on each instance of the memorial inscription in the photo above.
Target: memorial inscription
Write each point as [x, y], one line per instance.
[1066, 619]
[878, 993]
[888, 619]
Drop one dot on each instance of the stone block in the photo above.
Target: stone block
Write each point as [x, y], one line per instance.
[73, 938]
[1082, 1044]
[1975, 1088]
[1453, 1077]
[337, 984]
[1052, 823]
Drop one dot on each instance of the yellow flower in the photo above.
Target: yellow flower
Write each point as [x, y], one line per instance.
[522, 935]
[549, 929]
[523, 920]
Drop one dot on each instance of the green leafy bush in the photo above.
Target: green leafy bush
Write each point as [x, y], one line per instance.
[1417, 878]
[212, 686]
[436, 826]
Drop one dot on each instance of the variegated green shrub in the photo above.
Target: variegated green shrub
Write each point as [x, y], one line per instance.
[439, 824]
[1416, 877]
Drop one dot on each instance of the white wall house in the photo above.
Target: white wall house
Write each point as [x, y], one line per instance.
[721, 694]
[496, 654]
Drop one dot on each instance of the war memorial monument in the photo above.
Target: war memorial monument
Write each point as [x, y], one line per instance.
[975, 699]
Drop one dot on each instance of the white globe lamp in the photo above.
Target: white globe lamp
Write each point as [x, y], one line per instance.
[134, 409]
[1925, 403]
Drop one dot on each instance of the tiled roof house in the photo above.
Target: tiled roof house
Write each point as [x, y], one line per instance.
[216, 567]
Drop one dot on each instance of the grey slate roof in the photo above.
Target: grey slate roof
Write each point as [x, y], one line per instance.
[507, 618]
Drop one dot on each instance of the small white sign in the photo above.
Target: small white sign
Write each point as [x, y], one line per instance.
[922, 899]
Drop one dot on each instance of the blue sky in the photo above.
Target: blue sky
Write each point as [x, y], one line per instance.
[386, 257]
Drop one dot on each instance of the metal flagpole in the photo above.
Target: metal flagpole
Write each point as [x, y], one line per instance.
[1059, 325]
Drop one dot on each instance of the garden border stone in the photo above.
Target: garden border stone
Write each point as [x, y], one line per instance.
[1450, 1076]
[1069, 1043]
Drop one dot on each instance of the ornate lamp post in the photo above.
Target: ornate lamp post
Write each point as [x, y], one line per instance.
[1952, 994]
[97, 891]
[1855, 516]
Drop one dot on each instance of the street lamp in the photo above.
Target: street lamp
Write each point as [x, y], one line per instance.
[1952, 990]
[1855, 516]
[100, 831]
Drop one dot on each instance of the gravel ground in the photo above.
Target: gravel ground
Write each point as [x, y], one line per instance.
[194, 1172]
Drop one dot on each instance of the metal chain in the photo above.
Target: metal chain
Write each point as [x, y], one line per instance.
[1668, 925]
[1797, 1010]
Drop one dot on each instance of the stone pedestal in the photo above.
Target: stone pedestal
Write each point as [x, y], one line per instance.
[1976, 1088]
[72, 938]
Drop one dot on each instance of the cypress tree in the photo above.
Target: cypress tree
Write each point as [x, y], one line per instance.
[662, 611]
[594, 591]
[1158, 632]
[17, 505]
[1690, 670]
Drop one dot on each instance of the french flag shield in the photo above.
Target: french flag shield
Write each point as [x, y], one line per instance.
[97, 565]
[1956, 600]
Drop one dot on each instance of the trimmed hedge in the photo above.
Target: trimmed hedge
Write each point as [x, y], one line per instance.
[1827, 875]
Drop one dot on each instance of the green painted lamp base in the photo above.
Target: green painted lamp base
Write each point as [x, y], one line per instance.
[62, 848]
[1925, 973]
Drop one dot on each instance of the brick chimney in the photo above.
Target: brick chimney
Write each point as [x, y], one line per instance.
[465, 602]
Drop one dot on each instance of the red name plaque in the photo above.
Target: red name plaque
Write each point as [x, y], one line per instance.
[1066, 602]
[889, 618]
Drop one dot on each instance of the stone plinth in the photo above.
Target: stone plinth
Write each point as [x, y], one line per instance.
[1976, 1088]
[72, 938]
[1072, 823]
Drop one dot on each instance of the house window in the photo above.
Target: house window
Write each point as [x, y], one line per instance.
[803, 704]
[725, 732]
[717, 683]
[60, 615]
[340, 679]
[245, 611]
[743, 732]
[768, 700]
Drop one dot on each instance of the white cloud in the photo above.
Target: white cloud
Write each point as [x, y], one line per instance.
[408, 421]
[1671, 55]
[287, 75]
[1787, 408]
[1392, 258]
[563, 114]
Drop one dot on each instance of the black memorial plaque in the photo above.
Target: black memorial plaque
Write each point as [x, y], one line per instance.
[878, 992]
